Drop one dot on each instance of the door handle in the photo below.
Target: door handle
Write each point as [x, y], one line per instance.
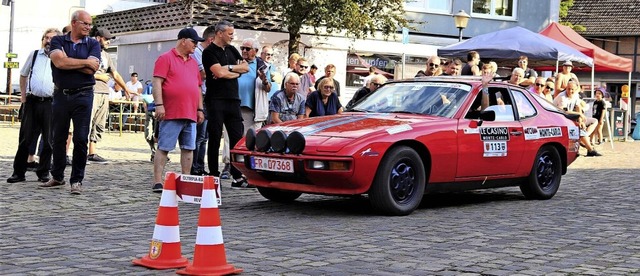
[516, 133]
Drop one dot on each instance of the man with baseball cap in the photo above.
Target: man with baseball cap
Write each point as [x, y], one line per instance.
[176, 93]
[100, 109]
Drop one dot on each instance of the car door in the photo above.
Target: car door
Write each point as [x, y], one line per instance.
[490, 148]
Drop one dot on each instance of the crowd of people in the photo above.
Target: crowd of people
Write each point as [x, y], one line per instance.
[205, 90]
[563, 90]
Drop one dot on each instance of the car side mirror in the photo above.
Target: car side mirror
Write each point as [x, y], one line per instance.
[487, 115]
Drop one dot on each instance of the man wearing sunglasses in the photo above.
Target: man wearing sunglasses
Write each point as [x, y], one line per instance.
[375, 82]
[302, 68]
[530, 75]
[433, 67]
[178, 102]
[254, 86]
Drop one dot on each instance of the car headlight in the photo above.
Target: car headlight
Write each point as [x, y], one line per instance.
[329, 165]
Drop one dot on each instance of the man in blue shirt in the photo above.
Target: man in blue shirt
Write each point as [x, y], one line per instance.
[254, 101]
[75, 58]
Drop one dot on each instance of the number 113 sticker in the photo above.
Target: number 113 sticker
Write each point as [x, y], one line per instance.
[495, 149]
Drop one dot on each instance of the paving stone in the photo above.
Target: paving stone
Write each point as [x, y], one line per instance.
[589, 228]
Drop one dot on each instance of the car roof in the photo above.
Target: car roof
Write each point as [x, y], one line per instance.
[472, 80]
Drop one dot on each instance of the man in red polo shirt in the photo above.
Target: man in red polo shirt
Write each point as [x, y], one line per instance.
[178, 101]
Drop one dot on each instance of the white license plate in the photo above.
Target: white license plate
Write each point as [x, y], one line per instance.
[271, 164]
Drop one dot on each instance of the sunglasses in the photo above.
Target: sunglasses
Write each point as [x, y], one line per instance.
[376, 84]
[327, 87]
[433, 65]
[539, 84]
[245, 48]
[268, 54]
[550, 88]
[304, 66]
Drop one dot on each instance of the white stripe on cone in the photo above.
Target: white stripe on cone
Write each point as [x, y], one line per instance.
[209, 199]
[167, 234]
[209, 235]
[169, 199]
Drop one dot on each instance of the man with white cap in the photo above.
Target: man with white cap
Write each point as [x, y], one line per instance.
[563, 78]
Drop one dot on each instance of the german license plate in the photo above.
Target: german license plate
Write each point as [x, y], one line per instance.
[271, 164]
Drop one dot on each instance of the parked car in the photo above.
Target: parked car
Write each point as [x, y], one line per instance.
[414, 137]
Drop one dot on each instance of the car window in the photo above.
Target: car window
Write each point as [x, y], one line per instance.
[524, 106]
[504, 113]
[429, 98]
[497, 96]
[547, 105]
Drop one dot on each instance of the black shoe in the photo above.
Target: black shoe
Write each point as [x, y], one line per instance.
[69, 163]
[32, 166]
[96, 159]
[241, 183]
[16, 178]
[593, 153]
[157, 188]
[43, 177]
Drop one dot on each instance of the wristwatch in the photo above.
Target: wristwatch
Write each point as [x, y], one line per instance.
[230, 67]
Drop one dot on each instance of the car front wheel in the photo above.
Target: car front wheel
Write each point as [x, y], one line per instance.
[278, 195]
[399, 183]
[544, 179]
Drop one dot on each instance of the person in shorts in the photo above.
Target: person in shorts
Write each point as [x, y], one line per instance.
[178, 103]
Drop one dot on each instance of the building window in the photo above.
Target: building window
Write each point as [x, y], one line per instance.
[439, 6]
[494, 8]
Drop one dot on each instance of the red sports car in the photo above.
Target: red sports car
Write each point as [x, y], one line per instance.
[414, 137]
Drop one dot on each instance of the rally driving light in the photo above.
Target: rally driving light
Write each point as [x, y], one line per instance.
[329, 165]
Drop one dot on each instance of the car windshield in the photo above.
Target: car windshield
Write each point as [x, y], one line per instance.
[429, 98]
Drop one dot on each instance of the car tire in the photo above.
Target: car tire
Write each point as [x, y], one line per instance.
[278, 195]
[399, 184]
[544, 180]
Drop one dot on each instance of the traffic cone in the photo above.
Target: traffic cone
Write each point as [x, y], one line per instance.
[209, 257]
[165, 251]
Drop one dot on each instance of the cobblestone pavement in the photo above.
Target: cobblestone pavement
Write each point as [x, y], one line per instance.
[591, 227]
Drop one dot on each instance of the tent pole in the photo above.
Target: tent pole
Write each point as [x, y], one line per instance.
[593, 88]
[557, 63]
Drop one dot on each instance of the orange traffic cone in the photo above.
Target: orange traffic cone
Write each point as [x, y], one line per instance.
[209, 257]
[165, 251]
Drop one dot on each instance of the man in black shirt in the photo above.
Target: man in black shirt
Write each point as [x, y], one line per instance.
[223, 64]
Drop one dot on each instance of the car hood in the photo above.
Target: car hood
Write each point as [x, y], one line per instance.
[332, 133]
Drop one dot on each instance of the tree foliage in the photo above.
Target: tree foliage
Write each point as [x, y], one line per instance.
[356, 18]
[565, 5]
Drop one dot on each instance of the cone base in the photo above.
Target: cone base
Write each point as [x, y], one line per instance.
[218, 270]
[161, 264]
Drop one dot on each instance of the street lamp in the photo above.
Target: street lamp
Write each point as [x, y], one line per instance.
[461, 19]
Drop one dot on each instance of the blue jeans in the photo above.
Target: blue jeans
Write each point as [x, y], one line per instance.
[66, 108]
[202, 136]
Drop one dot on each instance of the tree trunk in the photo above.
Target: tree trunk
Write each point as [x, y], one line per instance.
[294, 41]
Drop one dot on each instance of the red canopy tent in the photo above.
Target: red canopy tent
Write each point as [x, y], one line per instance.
[603, 60]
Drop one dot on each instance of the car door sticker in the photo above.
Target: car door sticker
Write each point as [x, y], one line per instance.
[495, 149]
[398, 129]
[574, 132]
[494, 134]
[550, 132]
[471, 131]
[531, 133]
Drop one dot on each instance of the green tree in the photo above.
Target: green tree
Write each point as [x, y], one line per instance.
[565, 5]
[356, 18]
